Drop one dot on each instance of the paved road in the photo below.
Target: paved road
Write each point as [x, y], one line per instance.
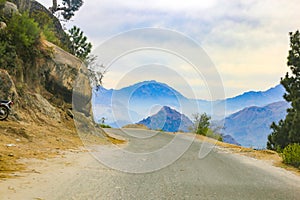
[219, 175]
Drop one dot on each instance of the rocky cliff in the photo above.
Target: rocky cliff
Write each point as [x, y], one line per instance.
[49, 77]
[43, 89]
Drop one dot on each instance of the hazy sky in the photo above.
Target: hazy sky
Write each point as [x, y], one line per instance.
[247, 41]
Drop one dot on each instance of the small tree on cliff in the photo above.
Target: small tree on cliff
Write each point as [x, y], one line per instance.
[287, 131]
[79, 45]
[67, 9]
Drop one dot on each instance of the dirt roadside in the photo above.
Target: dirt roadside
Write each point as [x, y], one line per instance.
[19, 140]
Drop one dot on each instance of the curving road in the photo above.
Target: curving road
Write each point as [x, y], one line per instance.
[219, 175]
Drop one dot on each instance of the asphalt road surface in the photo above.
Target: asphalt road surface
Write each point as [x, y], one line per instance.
[217, 175]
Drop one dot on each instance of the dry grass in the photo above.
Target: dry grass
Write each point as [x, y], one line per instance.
[38, 140]
[138, 126]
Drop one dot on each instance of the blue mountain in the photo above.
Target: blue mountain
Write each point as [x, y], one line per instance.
[255, 98]
[135, 102]
[250, 126]
[168, 119]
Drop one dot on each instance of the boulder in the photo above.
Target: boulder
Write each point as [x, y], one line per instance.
[9, 9]
[67, 77]
[7, 90]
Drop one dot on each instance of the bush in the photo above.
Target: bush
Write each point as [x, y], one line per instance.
[105, 126]
[213, 135]
[24, 31]
[47, 26]
[201, 123]
[291, 155]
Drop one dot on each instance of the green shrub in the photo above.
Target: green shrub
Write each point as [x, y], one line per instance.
[291, 155]
[24, 31]
[105, 126]
[47, 26]
[216, 136]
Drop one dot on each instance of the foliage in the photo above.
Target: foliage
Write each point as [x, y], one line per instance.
[291, 155]
[8, 54]
[68, 8]
[287, 131]
[201, 123]
[79, 45]
[105, 126]
[210, 133]
[19, 44]
[2, 2]
[24, 31]
[47, 26]
[96, 71]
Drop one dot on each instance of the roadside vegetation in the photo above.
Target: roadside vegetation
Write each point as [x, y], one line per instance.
[203, 126]
[285, 137]
[104, 126]
[138, 126]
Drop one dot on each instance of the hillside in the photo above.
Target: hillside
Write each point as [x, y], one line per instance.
[167, 119]
[251, 126]
[39, 77]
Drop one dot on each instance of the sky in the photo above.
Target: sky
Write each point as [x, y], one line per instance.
[247, 41]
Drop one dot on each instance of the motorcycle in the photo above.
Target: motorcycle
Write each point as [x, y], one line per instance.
[5, 108]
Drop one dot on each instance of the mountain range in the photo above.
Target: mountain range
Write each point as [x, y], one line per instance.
[251, 126]
[133, 103]
[248, 118]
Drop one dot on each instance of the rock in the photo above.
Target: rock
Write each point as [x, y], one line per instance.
[11, 145]
[66, 77]
[9, 9]
[2, 25]
[7, 90]
[70, 113]
[39, 103]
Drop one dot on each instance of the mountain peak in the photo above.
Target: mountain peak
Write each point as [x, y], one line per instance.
[167, 119]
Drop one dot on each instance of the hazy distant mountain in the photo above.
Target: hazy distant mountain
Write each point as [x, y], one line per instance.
[167, 119]
[133, 103]
[251, 126]
[259, 98]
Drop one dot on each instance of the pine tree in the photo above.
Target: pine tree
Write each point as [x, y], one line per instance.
[287, 131]
[79, 45]
[68, 8]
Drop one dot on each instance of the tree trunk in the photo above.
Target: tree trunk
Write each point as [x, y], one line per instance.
[53, 9]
